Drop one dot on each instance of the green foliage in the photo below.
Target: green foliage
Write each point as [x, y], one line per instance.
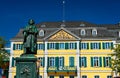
[115, 62]
[4, 55]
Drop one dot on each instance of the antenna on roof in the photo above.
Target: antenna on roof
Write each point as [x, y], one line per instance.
[63, 14]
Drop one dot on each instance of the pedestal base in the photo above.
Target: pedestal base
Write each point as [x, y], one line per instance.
[26, 66]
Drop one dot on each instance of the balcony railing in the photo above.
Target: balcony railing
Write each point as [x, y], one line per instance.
[62, 69]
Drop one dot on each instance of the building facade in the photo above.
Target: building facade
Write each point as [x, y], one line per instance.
[71, 49]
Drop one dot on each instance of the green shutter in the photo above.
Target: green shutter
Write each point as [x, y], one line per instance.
[66, 45]
[14, 47]
[85, 62]
[57, 46]
[71, 60]
[103, 44]
[43, 46]
[80, 45]
[57, 62]
[13, 62]
[111, 45]
[63, 61]
[104, 62]
[87, 45]
[91, 45]
[79, 61]
[43, 62]
[109, 61]
[100, 61]
[99, 45]
[48, 44]
[92, 62]
[75, 45]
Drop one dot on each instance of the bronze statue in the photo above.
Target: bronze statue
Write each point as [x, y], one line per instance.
[30, 38]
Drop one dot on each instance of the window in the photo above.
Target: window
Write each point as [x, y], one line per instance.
[61, 46]
[83, 32]
[95, 45]
[42, 60]
[51, 45]
[84, 76]
[94, 32]
[40, 46]
[40, 76]
[51, 76]
[61, 61]
[109, 76]
[106, 61]
[52, 61]
[96, 77]
[71, 76]
[83, 62]
[82, 24]
[17, 46]
[71, 61]
[61, 76]
[13, 62]
[84, 45]
[107, 45]
[41, 33]
[71, 45]
[96, 61]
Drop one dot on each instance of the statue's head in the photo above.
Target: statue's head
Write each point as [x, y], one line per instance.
[31, 22]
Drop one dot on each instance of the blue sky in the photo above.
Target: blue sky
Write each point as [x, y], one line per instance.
[14, 14]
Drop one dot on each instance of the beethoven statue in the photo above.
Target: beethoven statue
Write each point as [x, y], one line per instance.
[30, 38]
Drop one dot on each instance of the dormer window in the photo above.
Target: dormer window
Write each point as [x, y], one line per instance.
[41, 33]
[94, 32]
[82, 24]
[83, 32]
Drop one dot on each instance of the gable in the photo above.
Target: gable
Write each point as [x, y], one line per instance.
[62, 35]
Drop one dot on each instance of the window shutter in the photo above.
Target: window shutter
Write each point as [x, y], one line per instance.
[79, 61]
[92, 62]
[109, 61]
[71, 61]
[13, 62]
[103, 44]
[57, 46]
[100, 61]
[85, 62]
[43, 46]
[104, 61]
[57, 62]
[48, 44]
[14, 47]
[75, 45]
[80, 45]
[87, 45]
[111, 45]
[66, 45]
[63, 61]
[99, 45]
[43, 61]
[91, 45]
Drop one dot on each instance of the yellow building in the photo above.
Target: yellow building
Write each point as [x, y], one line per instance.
[71, 49]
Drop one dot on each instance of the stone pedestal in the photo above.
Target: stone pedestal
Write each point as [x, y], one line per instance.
[116, 77]
[26, 66]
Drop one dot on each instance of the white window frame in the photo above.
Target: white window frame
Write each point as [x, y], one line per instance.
[61, 45]
[96, 61]
[83, 45]
[52, 61]
[52, 45]
[40, 46]
[60, 61]
[83, 32]
[95, 45]
[94, 32]
[41, 33]
[71, 45]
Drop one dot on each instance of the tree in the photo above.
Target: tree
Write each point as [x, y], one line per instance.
[4, 55]
[115, 62]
